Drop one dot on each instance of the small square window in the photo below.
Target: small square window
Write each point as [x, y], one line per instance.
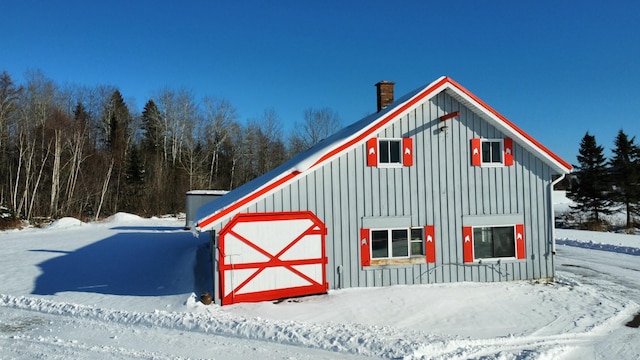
[492, 151]
[390, 151]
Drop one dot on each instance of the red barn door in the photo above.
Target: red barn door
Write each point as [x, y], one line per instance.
[268, 256]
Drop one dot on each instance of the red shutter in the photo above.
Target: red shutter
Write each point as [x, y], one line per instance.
[430, 243]
[365, 256]
[372, 152]
[476, 153]
[508, 152]
[467, 243]
[520, 248]
[407, 151]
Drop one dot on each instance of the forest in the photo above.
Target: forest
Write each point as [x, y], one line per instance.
[601, 186]
[85, 152]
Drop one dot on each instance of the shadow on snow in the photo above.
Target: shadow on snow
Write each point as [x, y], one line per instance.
[145, 261]
[603, 247]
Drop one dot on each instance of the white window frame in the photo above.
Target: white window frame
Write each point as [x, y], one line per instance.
[491, 163]
[390, 243]
[390, 164]
[501, 258]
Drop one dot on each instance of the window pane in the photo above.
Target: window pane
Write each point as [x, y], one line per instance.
[416, 242]
[384, 151]
[394, 149]
[482, 243]
[416, 248]
[400, 243]
[494, 242]
[504, 244]
[379, 244]
[486, 151]
[496, 152]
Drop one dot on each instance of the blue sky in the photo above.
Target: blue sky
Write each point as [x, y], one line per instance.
[555, 68]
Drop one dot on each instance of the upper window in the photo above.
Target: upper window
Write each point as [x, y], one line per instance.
[494, 242]
[396, 243]
[389, 152]
[492, 152]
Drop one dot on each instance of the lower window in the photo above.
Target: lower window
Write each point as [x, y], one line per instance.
[494, 242]
[396, 243]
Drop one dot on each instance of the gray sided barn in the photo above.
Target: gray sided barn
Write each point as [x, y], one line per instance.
[435, 187]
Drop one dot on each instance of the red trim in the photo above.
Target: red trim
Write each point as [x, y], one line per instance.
[248, 199]
[381, 123]
[316, 228]
[467, 243]
[267, 295]
[510, 124]
[365, 248]
[520, 244]
[476, 152]
[372, 152]
[430, 243]
[508, 152]
[449, 116]
[372, 130]
[407, 151]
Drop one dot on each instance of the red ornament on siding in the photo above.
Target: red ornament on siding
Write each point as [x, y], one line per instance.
[407, 151]
[467, 243]
[520, 244]
[365, 246]
[372, 152]
[476, 155]
[430, 243]
[508, 152]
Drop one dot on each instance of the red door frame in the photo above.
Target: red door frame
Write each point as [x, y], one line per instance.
[317, 228]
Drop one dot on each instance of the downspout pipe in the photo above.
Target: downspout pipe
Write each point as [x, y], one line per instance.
[553, 213]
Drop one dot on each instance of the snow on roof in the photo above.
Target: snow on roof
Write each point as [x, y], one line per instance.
[221, 208]
[207, 192]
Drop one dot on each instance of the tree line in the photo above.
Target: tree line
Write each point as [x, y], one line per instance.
[86, 152]
[601, 186]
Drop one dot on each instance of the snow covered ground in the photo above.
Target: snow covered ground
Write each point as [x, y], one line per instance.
[126, 288]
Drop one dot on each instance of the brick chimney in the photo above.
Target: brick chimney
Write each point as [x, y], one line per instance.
[385, 93]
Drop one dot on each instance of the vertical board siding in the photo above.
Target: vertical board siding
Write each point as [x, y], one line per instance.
[439, 189]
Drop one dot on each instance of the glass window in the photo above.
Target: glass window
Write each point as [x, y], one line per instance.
[417, 242]
[384, 151]
[379, 244]
[492, 151]
[400, 245]
[390, 151]
[494, 242]
[396, 243]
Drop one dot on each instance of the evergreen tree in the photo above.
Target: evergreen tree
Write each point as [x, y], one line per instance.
[152, 126]
[134, 180]
[117, 121]
[625, 174]
[81, 116]
[591, 187]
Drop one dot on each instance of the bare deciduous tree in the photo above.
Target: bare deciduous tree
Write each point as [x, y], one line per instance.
[219, 117]
[318, 124]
